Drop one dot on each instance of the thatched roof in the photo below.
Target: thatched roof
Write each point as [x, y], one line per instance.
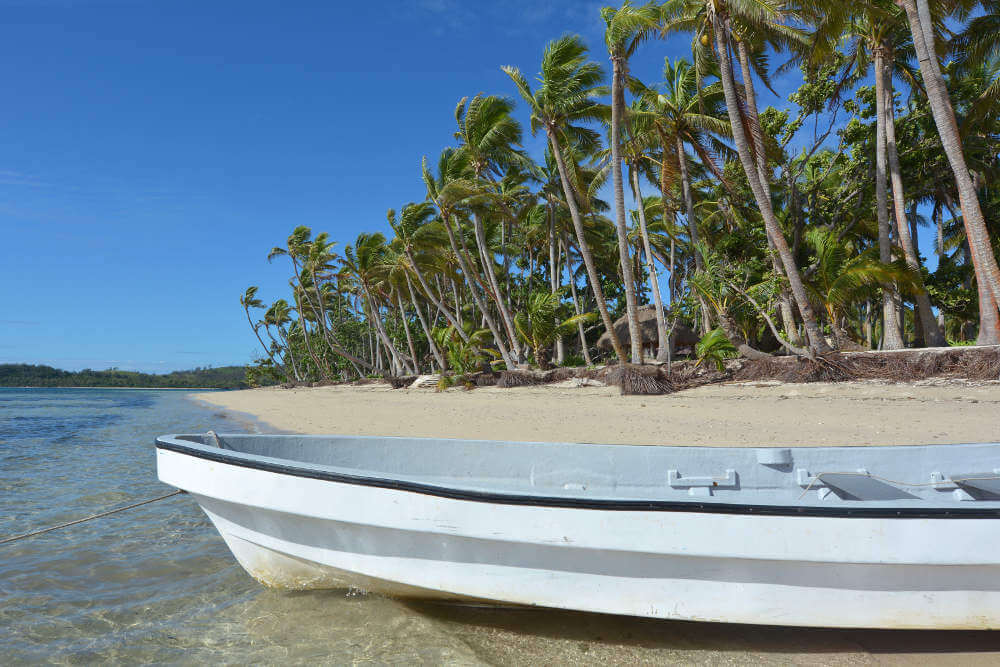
[682, 336]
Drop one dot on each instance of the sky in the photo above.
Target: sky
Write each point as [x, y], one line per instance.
[151, 153]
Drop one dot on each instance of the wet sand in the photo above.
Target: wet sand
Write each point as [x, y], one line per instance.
[768, 414]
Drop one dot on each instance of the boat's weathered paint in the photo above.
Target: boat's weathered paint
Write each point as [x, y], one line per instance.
[919, 568]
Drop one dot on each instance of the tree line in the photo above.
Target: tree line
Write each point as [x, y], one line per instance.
[29, 375]
[777, 230]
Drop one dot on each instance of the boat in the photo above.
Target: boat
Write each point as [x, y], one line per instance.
[850, 537]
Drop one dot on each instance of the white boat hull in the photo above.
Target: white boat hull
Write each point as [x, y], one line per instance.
[295, 532]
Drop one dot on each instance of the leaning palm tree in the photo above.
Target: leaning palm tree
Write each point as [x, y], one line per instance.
[570, 86]
[922, 28]
[713, 20]
[681, 114]
[249, 300]
[448, 190]
[487, 134]
[627, 28]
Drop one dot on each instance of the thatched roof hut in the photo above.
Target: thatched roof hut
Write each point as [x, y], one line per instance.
[681, 337]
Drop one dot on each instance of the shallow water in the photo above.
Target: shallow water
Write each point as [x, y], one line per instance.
[157, 584]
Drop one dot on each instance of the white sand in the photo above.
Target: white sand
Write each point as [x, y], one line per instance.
[721, 415]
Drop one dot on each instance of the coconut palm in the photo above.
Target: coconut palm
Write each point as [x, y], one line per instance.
[448, 191]
[627, 28]
[713, 21]
[539, 327]
[843, 277]
[487, 135]
[568, 93]
[922, 28]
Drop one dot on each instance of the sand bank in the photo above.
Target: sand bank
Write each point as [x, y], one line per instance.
[722, 415]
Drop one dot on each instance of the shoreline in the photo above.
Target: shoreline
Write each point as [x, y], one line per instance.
[727, 414]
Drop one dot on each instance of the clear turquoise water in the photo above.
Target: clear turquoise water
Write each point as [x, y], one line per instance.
[157, 584]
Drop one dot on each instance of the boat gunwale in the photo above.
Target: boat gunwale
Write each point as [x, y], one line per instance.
[270, 464]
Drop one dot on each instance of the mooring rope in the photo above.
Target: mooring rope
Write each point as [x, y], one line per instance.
[15, 538]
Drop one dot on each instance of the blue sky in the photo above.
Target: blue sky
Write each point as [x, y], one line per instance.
[151, 153]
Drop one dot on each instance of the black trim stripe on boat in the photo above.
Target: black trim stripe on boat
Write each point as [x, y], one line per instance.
[592, 503]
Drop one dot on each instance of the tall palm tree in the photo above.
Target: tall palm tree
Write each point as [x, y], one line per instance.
[249, 300]
[922, 29]
[626, 29]
[447, 191]
[712, 19]
[681, 114]
[487, 134]
[877, 38]
[568, 93]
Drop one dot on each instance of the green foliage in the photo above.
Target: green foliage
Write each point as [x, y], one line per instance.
[539, 326]
[223, 377]
[714, 348]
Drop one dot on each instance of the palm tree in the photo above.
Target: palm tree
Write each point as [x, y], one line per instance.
[713, 20]
[487, 134]
[278, 315]
[366, 264]
[843, 277]
[922, 29]
[878, 37]
[538, 326]
[447, 192]
[249, 300]
[639, 138]
[682, 114]
[570, 86]
[627, 28]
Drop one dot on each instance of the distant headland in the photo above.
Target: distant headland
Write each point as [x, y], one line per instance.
[30, 375]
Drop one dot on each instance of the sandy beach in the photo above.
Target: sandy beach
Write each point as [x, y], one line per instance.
[720, 415]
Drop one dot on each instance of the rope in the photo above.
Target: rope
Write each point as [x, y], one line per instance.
[15, 538]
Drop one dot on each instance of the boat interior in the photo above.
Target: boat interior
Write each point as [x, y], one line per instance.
[957, 476]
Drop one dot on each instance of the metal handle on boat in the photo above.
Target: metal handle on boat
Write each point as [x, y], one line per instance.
[702, 486]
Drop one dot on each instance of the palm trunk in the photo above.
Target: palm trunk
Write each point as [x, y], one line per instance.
[291, 355]
[753, 120]
[493, 286]
[409, 337]
[663, 338]
[762, 194]
[892, 337]
[617, 110]
[398, 358]
[331, 338]
[989, 323]
[984, 262]
[693, 234]
[433, 297]
[320, 366]
[427, 330]
[560, 345]
[757, 136]
[932, 333]
[584, 247]
[576, 304]
[465, 261]
[256, 332]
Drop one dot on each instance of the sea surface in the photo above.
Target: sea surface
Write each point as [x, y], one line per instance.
[157, 583]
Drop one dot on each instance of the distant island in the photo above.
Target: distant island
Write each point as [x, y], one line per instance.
[30, 375]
